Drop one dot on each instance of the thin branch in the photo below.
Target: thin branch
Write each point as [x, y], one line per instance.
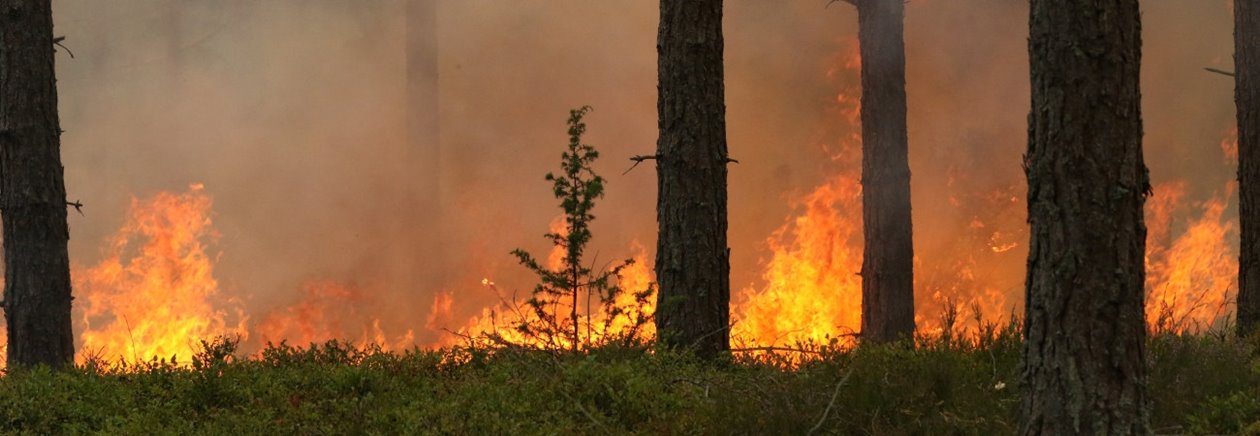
[1217, 71]
[852, 2]
[78, 206]
[639, 159]
[729, 160]
[57, 41]
[832, 403]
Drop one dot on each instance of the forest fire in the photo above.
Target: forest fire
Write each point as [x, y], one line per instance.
[155, 293]
[499, 323]
[1192, 278]
[329, 311]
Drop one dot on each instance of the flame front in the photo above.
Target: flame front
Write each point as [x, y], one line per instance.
[328, 311]
[1191, 279]
[152, 295]
[497, 323]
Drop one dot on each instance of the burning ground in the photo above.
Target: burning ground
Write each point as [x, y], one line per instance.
[292, 142]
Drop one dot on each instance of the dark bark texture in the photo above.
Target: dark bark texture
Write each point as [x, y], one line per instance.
[692, 259]
[1247, 98]
[1083, 370]
[888, 260]
[32, 190]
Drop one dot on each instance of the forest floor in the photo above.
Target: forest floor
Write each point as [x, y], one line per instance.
[943, 385]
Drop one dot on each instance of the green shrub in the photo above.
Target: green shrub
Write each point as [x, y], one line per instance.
[1199, 385]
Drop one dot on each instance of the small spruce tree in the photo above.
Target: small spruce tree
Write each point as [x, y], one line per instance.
[577, 187]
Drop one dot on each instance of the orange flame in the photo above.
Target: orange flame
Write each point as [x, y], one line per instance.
[1190, 279]
[329, 311]
[500, 322]
[812, 292]
[152, 296]
[155, 294]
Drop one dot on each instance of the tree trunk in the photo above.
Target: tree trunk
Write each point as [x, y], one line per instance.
[888, 259]
[692, 259]
[1247, 97]
[1084, 327]
[32, 190]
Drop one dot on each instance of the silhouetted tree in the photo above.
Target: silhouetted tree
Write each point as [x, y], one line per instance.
[888, 257]
[1083, 368]
[1247, 98]
[692, 259]
[32, 190]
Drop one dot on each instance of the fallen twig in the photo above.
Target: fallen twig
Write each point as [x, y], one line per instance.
[832, 403]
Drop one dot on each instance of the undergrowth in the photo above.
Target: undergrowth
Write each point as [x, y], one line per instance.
[942, 385]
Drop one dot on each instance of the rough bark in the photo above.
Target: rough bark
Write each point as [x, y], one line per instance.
[888, 259]
[1247, 99]
[1084, 328]
[692, 259]
[32, 190]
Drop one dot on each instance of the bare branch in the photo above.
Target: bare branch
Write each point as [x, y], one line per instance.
[832, 403]
[57, 41]
[78, 206]
[1223, 72]
[639, 159]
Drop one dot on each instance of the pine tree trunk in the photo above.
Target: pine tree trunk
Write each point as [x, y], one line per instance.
[1084, 327]
[888, 260]
[692, 259]
[32, 190]
[1247, 97]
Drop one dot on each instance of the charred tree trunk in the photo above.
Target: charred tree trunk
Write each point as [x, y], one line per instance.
[1247, 97]
[32, 190]
[1084, 328]
[692, 259]
[888, 259]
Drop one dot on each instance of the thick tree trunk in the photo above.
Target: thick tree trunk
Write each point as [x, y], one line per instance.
[1084, 327]
[888, 260]
[692, 259]
[1247, 97]
[32, 190]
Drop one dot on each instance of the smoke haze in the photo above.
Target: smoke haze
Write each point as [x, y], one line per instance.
[293, 114]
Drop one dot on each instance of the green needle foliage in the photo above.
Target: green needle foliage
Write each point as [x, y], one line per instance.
[563, 289]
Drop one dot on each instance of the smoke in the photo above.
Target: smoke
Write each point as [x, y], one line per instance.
[293, 115]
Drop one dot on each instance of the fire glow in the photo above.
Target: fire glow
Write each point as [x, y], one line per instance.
[155, 293]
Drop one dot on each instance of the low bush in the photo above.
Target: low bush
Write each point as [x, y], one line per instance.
[1198, 384]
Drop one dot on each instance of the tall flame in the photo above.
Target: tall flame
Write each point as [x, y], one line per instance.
[153, 294]
[1190, 279]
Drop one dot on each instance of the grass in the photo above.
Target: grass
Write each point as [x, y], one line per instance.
[943, 385]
